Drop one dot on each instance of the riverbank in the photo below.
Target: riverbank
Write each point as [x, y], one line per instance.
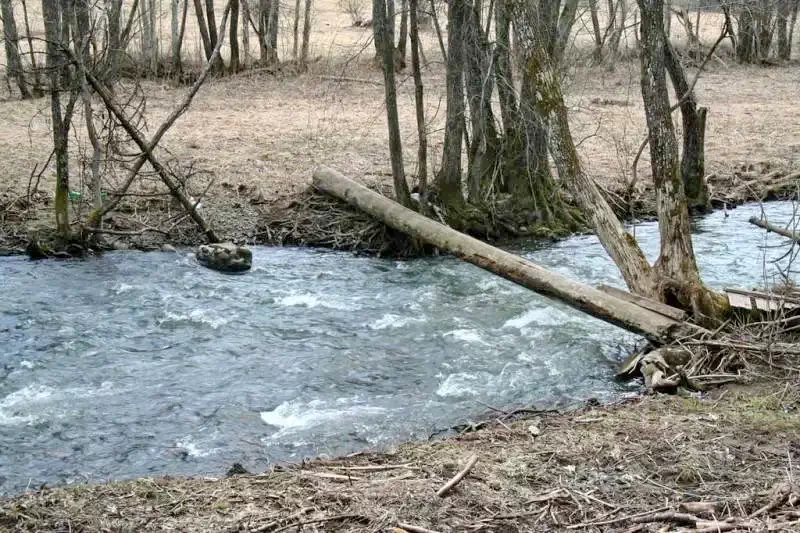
[250, 162]
[730, 456]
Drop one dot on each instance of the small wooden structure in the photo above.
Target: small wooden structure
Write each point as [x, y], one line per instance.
[762, 301]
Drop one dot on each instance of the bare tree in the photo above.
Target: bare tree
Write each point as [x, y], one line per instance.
[402, 38]
[380, 17]
[296, 31]
[56, 63]
[234, 37]
[245, 5]
[14, 63]
[419, 101]
[306, 33]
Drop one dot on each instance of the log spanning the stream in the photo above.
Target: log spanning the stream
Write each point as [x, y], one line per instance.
[761, 223]
[625, 314]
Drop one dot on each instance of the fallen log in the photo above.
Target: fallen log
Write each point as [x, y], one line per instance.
[656, 327]
[761, 223]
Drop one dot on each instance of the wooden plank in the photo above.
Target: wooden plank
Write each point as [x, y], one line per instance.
[642, 301]
[762, 301]
[656, 327]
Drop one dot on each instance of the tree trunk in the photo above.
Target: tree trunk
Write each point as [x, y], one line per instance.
[795, 8]
[55, 63]
[82, 32]
[422, 153]
[306, 33]
[211, 17]
[448, 181]
[479, 85]
[154, 38]
[11, 41]
[246, 32]
[680, 278]
[654, 326]
[203, 28]
[234, 37]
[564, 29]
[745, 45]
[383, 33]
[37, 79]
[296, 32]
[402, 38]
[597, 52]
[177, 66]
[115, 41]
[692, 168]
[783, 19]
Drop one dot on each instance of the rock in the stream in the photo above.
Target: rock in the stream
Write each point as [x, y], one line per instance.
[225, 257]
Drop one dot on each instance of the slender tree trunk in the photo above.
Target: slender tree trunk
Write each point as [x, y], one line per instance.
[177, 66]
[402, 38]
[692, 168]
[793, 21]
[479, 85]
[234, 37]
[37, 79]
[174, 32]
[667, 9]
[212, 23]
[296, 31]
[745, 45]
[113, 23]
[55, 62]
[449, 179]
[203, 28]
[246, 32]
[154, 38]
[422, 153]
[383, 33]
[306, 33]
[597, 52]
[82, 32]
[438, 28]
[263, 19]
[144, 32]
[782, 23]
[564, 29]
[11, 40]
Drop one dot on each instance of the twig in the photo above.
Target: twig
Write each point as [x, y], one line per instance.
[414, 529]
[318, 521]
[350, 80]
[442, 492]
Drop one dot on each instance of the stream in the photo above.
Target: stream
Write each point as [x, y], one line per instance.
[135, 364]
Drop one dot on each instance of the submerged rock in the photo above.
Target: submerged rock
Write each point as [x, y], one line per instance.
[225, 257]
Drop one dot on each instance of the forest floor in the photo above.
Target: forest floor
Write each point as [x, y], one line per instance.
[726, 461]
[257, 136]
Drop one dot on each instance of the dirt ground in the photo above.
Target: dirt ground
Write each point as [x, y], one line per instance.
[260, 134]
[726, 461]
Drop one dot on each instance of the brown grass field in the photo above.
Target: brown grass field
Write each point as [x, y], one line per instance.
[269, 131]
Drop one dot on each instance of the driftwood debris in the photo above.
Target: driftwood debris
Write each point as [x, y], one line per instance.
[761, 223]
[447, 487]
[626, 314]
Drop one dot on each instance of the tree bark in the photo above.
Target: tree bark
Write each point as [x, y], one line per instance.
[745, 43]
[656, 327]
[402, 38]
[448, 181]
[782, 27]
[306, 33]
[480, 86]
[383, 33]
[296, 32]
[55, 63]
[597, 52]
[37, 80]
[422, 152]
[203, 28]
[211, 17]
[154, 37]
[692, 168]
[177, 65]
[115, 39]
[234, 37]
[246, 32]
[174, 31]
[11, 41]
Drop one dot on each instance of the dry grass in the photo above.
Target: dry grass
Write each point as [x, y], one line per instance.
[597, 467]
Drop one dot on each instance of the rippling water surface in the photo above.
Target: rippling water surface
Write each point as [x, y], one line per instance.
[133, 364]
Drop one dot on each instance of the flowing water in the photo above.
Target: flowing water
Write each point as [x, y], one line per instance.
[135, 364]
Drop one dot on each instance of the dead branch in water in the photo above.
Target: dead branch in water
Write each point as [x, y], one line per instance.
[775, 229]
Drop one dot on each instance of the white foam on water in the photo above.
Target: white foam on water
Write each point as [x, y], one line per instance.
[393, 321]
[541, 316]
[123, 288]
[196, 316]
[34, 397]
[26, 364]
[310, 300]
[188, 444]
[295, 416]
[459, 385]
[467, 335]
